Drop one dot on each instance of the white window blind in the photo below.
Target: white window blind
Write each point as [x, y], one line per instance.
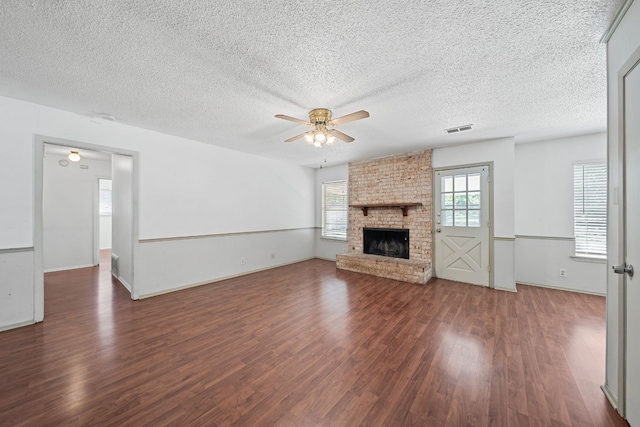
[334, 210]
[590, 208]
[105, 196]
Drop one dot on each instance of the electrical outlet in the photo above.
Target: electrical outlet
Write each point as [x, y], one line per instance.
[241, 261]
[563, 272]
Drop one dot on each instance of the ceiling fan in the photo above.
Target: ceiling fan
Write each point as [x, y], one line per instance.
[320, 118]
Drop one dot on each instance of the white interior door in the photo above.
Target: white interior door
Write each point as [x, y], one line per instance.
[632, 242]
[462, 225]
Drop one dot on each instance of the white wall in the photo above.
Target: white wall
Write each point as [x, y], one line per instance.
[167, 264]
[502, 153]
[122, 174]
[327, 248]
[186, 189]
[69, 211]
[544, 214]
[620, 47]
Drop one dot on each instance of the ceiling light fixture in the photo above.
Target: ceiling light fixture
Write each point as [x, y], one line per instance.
[320, 118]
[74, 156]
[320, 135]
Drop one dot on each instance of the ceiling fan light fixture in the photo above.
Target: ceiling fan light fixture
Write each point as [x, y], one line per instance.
[74, 156]
[309, 137]
[320, 118]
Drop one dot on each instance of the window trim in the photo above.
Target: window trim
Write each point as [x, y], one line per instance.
[335, 236]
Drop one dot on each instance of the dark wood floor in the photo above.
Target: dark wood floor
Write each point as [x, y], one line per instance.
[306, 345]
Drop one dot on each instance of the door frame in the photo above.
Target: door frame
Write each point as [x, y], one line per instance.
[632, 63]
[38, 184]
[489, 165]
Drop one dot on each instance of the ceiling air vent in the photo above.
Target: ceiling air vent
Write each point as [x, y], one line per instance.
[458, 129]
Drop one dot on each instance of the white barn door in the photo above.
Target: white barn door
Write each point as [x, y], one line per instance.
[462, 224]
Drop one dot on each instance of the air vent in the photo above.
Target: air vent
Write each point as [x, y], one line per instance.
[458, 129]
[115, 268]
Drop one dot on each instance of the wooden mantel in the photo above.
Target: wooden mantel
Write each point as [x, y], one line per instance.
[402, 206]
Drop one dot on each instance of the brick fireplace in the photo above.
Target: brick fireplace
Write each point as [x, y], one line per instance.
[391, 193]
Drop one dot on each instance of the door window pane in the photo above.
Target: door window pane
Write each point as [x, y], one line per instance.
[474, 182]
[447, 184]
[474, 218]
[460, 218]
[447, 201]
[460, 183]
[474, 200]
[447, 218]
[461, 200]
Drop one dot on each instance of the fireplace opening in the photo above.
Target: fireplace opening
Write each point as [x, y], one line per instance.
[390, 242]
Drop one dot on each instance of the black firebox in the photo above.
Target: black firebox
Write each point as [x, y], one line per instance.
[391, 242]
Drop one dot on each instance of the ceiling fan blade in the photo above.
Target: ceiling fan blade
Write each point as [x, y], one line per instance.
[295, 137]
[293, 119]
[341, 135]
[349, 118]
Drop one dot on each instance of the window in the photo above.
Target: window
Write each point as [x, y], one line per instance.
[460, 205]
[334, 210]
[590, 208]
[105, 196]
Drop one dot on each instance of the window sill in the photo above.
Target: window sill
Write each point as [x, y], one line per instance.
[593, 259]
[334, 239]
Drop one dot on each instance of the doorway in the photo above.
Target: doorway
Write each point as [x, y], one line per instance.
[462, 220]
[125, 230]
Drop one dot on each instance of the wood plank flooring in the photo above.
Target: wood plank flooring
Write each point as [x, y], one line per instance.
[306, 345]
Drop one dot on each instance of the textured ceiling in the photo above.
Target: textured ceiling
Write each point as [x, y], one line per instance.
[218, 72]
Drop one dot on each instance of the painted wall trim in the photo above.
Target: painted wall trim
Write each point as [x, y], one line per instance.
[125, 284]
[205, 236]
[579, 291]
[607, 392]
[526, 236]
[17, 325]
[498, 288]
[612, 28]
[505, 239]
[325, 258]
[15, 250]
[220, 279]
[53, 270]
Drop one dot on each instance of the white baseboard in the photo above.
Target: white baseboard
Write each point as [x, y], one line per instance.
[580, 291]
[124, 283]
[607, 392]
[16, 325]
[498, 288]
[52, 270]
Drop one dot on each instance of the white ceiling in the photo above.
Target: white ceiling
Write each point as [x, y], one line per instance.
[218, 72]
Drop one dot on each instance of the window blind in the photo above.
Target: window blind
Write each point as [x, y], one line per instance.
[590, 208]
[334, 210]
[105, 204]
